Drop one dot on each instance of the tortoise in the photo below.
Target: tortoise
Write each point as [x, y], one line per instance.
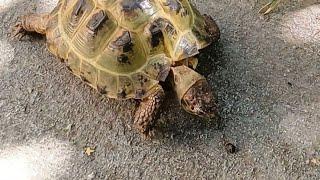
[127, 48]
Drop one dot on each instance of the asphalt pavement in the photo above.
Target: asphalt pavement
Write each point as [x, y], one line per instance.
[265, 71]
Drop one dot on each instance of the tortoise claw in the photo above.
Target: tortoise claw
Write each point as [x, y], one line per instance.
[269, 7]
[17, 31]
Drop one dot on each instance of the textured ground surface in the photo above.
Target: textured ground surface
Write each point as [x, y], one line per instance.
[266, 73]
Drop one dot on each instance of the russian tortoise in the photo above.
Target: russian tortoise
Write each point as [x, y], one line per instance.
[124, 48]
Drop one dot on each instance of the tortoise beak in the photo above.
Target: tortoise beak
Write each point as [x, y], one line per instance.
[199, 100]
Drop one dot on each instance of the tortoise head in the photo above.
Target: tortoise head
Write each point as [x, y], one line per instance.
[193, 91]
[199, 100]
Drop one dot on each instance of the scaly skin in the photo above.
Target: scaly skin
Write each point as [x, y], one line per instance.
[30, 23]
[199, 100]
[145, 116]
[193, 91]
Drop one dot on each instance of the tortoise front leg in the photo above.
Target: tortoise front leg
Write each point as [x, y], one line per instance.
[145, 116]
[30, 23]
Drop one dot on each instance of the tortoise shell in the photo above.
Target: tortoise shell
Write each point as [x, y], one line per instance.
[123, 48]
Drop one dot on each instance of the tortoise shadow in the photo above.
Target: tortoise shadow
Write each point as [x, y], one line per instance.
[173, 120]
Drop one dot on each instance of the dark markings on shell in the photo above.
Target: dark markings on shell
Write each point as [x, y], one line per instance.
[78, 8]
[156, 35]
[160, 23]
[171, 31]
[167, 26]
[185, 13]
[102, 90]
[127, 47]
[156, 26]
[174, 5]
[121, 41]
[84, 79]
[131, 5]
[122, 94]
[78, 11]
[123, 59]
[61, 59]
[163, 71]
[69, 68]
[140, 93]
[97, 21]
[142, 80]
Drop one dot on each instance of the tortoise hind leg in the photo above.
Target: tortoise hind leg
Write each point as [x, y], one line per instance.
[145, 116]
[30, 23]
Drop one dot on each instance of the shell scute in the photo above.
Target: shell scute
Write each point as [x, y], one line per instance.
[107, 83]
[125, 54]
[186, 46]
[123, 48]
[92, 37]
[88, 73]
[179, 11]
[56, 43]
[125, 88]
[168, 35]
[158, 67]
[73, 63]
[75, 15]
[154, 38]
[135, 13]
[142, 83]
[97, 20]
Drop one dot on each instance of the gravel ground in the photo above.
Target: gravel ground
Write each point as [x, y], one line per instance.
[266, 74]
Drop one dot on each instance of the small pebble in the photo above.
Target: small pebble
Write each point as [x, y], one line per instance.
[230, 148]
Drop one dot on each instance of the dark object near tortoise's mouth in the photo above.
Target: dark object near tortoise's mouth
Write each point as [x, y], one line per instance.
[199, 100]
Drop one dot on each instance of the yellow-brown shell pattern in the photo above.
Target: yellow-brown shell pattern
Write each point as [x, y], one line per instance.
[124, 47]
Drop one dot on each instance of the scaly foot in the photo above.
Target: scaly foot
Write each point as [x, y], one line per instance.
[17, 31]
[145, 116]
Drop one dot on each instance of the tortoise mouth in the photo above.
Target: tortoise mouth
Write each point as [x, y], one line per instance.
[199, 100]
[200, 109]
